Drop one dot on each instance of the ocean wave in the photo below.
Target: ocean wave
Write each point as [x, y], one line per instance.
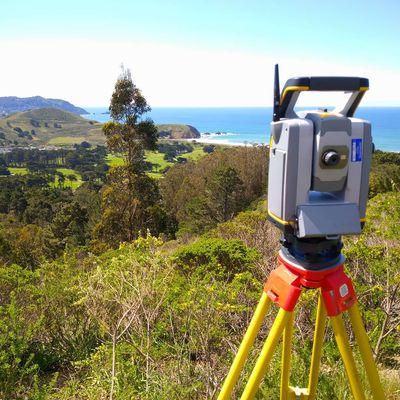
[209, 140]
[218, 134]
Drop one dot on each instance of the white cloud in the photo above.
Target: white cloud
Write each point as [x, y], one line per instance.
[84, 72]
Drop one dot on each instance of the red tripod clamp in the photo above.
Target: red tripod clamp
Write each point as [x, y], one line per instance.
[285, 283]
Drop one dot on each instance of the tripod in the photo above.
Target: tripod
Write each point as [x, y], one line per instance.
[337, 295]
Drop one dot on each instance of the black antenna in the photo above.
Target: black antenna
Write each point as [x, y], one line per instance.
[277, 95]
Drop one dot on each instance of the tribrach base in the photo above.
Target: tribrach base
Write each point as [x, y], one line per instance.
[337, 295]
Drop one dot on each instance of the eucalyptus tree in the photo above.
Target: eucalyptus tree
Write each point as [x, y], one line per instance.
[131, 201]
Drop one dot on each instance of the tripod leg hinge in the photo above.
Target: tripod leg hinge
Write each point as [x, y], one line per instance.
[283, 287]
[338, 292]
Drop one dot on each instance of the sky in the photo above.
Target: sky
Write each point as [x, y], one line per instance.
[195, 53]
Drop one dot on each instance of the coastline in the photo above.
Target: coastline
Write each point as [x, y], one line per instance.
[218, 142]
[250, 126]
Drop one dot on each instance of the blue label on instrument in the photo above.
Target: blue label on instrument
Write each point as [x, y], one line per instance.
[356, 150]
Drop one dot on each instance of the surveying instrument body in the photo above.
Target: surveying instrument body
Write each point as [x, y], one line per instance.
[317, 191]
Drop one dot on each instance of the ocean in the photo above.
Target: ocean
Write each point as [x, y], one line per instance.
[251, 125]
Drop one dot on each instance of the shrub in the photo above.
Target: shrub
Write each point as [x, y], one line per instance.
[227, 257]
[209, 148]
[35, 123]
[384, 178]
[373, 261]
[4, 170]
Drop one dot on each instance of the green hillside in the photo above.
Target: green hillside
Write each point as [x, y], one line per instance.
[48, 126]
[51, 126]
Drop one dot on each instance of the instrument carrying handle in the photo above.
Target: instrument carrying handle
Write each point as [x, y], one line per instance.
[295, 86]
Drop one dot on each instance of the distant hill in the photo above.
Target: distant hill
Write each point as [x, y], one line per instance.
[48, 126]
[52, 126]
[12, 104]
[178, 131]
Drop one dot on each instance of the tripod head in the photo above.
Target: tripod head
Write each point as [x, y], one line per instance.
[319, 166]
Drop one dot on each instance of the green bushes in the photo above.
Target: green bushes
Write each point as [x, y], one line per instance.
[227, 257]
[163, 333]
[20, 327]
[139, 323]
[17, 367]
[384, 178]
[373, 261]
[385, 173]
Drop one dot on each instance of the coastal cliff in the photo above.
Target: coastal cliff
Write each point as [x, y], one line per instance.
[178, 131]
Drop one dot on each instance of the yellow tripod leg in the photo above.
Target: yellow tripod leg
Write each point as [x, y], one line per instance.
[245, 346]
[366, 353]
[347, 357]
[266, 354]
[286, 355]
[318, 341]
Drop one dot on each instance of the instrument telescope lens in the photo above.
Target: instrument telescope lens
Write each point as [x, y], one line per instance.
[330, 158]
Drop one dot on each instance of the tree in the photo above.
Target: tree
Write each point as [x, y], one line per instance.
[209, 148]
[86, 145]
[4, 170]
[220, 199]
[18, 202]
[128, 212]
[38, 211]
[72, 177]
[225, 194]
[128, 133]
[189, 188]
[131, 202]
[60, 179]
[70, 224]
[32, 245]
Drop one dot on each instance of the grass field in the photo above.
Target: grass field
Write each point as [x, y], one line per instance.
[114, 160]
[152, 156]
[65, 171]
[66, 140]
[157, 159]
[196, 154]
[68, 182]
[18, 171]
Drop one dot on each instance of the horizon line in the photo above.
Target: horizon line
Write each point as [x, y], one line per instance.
[367, 106]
